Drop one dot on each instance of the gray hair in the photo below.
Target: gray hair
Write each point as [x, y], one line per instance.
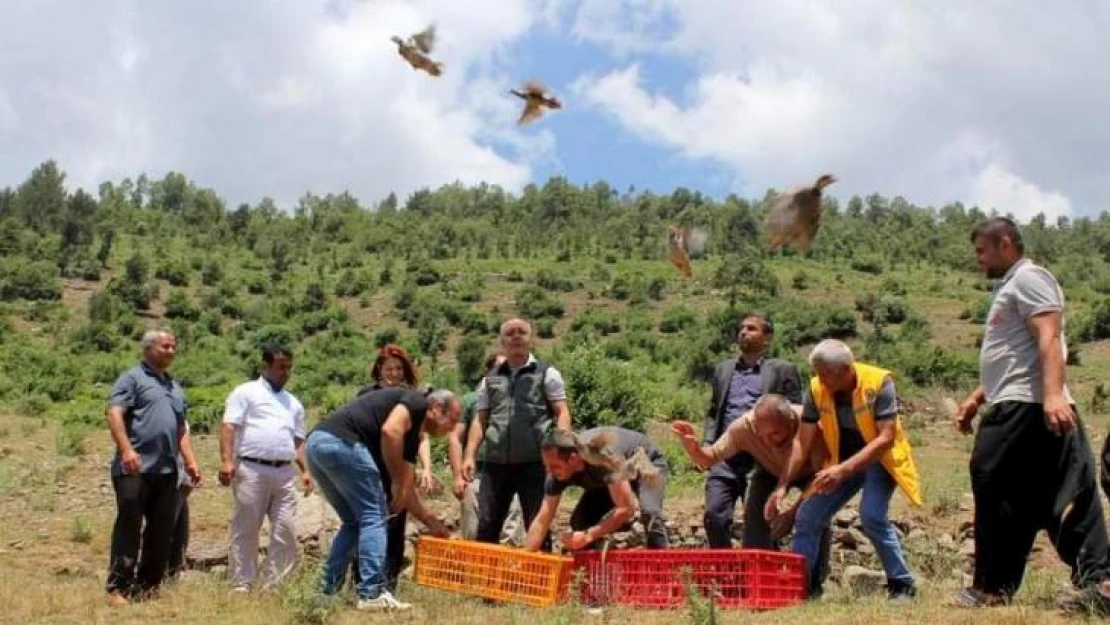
[442, 397]
[152, 335]
[775, 405]
[831, 353]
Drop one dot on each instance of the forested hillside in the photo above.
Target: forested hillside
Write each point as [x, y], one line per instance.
[84, 272]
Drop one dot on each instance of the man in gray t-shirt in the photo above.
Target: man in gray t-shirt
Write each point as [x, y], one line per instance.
[1032, 467]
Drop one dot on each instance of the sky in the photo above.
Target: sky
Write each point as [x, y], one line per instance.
[997, 104]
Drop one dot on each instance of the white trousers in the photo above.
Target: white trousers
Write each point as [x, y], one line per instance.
[263, 492]
[513, 531]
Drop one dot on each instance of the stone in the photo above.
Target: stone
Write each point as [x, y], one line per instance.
[846, 518]
[967, 530]
[946, 542]
[850, 538]
[315, 517]
[967, 548]
[206, 555]
[967, 502]
[862, 581]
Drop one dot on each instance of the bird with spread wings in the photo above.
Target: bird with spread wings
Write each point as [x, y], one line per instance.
[417, 49]
[795, 216]
[536, 99]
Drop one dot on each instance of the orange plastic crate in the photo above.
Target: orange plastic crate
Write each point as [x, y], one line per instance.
[653, 578]
[492, 571]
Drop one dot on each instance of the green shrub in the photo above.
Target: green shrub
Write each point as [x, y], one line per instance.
[867, 264]
[678, 319]
[534, 303]
[603, 392]
[545, 328]
[34, 280]
[599, 320]
[470, 356]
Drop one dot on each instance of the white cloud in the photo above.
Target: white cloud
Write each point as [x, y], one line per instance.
[996, 188]
[978, 102]
[262, 98]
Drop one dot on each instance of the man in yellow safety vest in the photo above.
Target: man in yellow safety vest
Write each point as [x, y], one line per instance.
[854, 408]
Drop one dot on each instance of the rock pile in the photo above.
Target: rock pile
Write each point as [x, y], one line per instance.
[935, 553]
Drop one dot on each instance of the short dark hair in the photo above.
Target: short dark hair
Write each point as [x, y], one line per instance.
[273, 350]
[764, 320]
[564, 442]
[995, 228]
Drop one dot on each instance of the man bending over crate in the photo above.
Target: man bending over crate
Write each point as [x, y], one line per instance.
[767, 433]
[613, 466]
[852, 406]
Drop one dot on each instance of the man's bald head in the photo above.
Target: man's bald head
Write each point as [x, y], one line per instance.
[516, 340]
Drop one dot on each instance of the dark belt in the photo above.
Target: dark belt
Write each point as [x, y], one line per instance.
[269, 463]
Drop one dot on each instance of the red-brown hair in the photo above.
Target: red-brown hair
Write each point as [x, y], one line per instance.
[398, 352]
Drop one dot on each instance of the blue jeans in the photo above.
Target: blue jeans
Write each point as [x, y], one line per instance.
[349, 479]
[816, 513]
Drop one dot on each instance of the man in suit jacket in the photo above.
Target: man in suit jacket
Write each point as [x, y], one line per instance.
[737, 384]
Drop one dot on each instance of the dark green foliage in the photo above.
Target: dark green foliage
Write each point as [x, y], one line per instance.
[385, 336]
[800, 281]
[596, 320]
[678, 319]
[178, 306]
[534, 303]
[545, 328]
[211, 273]
[174, 271]
[604, 392]
[546, 279]
[882, 309]
[35, 280]
[470, 354]
[867, 264]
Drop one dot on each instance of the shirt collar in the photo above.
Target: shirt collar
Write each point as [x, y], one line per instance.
[1012, 270]
[741, 365]
[266, 383]
[505, 366]
[163, 377]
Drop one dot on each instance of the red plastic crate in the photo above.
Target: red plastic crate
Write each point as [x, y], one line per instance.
[653, 578]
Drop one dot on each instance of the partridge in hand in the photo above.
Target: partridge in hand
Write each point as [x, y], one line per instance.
[795, 216]
[536, 100]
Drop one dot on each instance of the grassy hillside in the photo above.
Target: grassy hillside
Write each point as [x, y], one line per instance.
[81, 277]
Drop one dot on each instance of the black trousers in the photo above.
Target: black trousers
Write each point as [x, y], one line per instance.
[757, 531]
[726, 483]
[149, 498]
[596, 503]
[500, 482]
[179, 544]
[1026, 479]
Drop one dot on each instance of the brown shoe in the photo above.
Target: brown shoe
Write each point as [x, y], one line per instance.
[117, 600]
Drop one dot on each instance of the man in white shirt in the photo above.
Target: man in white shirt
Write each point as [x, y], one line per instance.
[262, 437]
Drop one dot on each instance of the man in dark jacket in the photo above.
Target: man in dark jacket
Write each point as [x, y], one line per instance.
[737, 384]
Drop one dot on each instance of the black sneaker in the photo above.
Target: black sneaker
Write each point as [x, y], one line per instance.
[898, 590]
